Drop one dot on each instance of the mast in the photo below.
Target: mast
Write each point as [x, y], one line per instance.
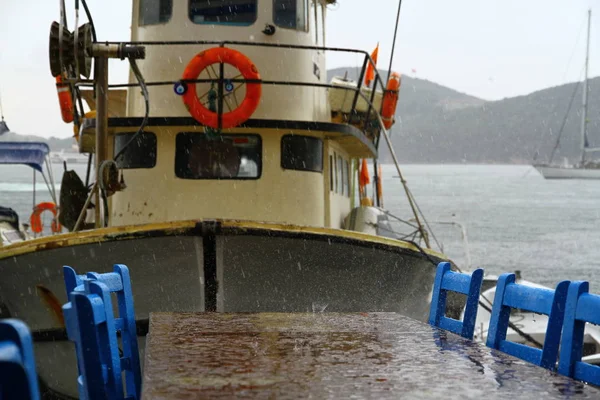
[585, 93]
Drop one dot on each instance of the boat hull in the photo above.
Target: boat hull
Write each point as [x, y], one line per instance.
[550, 172]
[215, 267]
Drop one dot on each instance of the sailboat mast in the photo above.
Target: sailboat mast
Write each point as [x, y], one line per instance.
[585, 93]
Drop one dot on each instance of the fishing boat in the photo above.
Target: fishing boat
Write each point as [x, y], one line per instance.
[585, 168]
[225, 175]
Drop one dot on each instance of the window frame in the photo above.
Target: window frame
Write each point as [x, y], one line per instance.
[229, 135]
[115, 150]
[304, 137]
[157, 23]
[189, 14]
[306, 16]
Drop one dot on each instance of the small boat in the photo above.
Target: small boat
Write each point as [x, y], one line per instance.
[34, 155]
[585, 169]
[527, 327]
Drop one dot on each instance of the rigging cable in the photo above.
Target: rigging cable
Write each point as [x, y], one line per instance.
[142, 83]
[564, 122]
[556, 105]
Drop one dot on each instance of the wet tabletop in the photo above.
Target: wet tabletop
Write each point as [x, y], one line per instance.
[330, 355]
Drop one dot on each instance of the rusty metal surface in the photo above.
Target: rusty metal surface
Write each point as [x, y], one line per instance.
[331, 355]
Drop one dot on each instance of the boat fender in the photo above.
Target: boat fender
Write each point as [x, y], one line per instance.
[65, 100]
[36, 217]
[200, 112]
[390, 100]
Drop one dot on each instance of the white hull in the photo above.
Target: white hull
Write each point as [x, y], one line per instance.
[549, 172]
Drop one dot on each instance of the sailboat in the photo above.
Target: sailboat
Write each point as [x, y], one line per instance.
[586, 168]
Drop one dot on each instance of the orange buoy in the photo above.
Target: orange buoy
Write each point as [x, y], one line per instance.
[248, 70]
[65, 100]
[36, 217]
[390, 100]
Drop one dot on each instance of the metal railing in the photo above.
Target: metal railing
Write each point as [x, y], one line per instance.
[363, 121]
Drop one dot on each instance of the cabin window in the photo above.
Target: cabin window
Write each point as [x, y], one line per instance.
[331, 186]
[290, 14]
[154, 12]
[141, 153]
[346, 178]
[335, 172]
[224, 157]
[302, 153]
[317, 17]
[340, 172]
[225, 12]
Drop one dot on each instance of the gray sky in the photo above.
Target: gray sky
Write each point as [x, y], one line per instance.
[487, 48]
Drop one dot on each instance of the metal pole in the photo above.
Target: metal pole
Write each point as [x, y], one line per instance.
[408, 194]
[585, 93]
[34, 188]
[394, 42]
[101, 126]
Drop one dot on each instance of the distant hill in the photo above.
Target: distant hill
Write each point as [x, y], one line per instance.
[514, 130]
[438, 124]
[55, 144]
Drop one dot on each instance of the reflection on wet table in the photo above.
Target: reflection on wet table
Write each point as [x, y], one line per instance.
[323, 355]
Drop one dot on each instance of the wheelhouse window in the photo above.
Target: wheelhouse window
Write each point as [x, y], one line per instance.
[154, 12]
[226, 12]
[317, 18]
[331, 174]
[291, 14]
[141, 153]
[346, 178]
[340, 174]
[302, 153]
[198, 156]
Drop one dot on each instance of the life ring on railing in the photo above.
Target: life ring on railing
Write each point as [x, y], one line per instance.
[238, 60]
[36, 218]
[390, 100]
[65, 100]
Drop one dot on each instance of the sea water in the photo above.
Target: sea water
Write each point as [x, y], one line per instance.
[513, 218]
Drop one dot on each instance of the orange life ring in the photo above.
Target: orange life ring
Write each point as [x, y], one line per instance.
[65, 100]
[36, 218]
[248, 70]
[390, 100]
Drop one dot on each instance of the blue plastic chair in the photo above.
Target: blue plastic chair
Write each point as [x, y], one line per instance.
[539, 300]
[581, 307]
[90, 325]
[470, 285]
[117, 282]
[18, 379]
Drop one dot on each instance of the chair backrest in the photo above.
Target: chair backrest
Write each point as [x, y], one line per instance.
[117, 282]
[538, 300]
[90, 325]
[18, 379]
[469, 285]
[581, 307]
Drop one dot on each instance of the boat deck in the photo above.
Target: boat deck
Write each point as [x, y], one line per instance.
[374, 355]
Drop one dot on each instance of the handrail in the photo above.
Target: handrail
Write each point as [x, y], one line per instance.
[378, 82]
